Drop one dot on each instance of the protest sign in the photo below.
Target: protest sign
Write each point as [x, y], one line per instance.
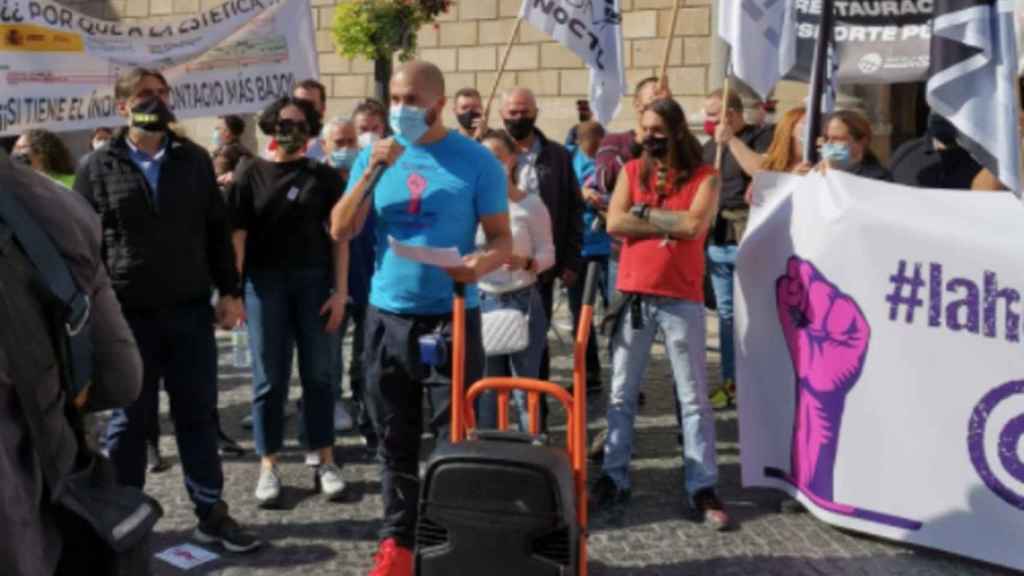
[881, 379]
[593, 30]
[58, 66]
[877, 41]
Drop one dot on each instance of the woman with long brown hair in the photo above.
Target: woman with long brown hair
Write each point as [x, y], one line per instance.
[786, 152]
[662, 207]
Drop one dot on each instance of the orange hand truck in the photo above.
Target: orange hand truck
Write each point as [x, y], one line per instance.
[500, 502]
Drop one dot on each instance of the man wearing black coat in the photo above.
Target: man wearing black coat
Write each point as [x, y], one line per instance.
[545, 168]
[166, 245]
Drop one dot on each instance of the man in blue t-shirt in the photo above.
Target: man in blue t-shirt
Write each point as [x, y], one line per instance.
[439, 188]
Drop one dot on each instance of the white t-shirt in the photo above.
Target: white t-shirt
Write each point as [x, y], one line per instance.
[531, 237]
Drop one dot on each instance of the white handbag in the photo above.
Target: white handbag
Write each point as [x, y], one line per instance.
[505, 331]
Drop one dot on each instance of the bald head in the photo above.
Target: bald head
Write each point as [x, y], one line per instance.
[519, 111]
[422, 76]
[519, 98]
[420, 84]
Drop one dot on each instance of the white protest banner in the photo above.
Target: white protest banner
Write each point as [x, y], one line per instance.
[879, 357]
[593, 30]
[58, 66]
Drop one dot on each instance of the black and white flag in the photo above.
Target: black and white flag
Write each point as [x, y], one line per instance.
[972, 81]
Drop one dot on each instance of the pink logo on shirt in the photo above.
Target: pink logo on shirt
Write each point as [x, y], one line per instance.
[417, 184]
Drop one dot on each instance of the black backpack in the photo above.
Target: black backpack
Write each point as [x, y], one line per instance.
[104, 525]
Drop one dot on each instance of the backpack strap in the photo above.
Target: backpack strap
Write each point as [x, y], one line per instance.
[76, 333]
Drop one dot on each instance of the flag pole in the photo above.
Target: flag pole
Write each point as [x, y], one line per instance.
[501, 70]
[726, 88]
[818, 73]
[663, 76]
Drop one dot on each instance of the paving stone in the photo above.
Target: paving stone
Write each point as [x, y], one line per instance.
[654, 537]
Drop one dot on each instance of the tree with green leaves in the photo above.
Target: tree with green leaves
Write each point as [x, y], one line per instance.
[379, 29]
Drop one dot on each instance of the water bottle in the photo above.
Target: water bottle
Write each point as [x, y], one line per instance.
[240, 347]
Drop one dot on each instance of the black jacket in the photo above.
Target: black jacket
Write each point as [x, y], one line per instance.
[561, 194]
[161, 256]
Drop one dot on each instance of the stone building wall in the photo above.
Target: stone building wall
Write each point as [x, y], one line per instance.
[467, 44]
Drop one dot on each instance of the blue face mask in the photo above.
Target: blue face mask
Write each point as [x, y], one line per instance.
[838, 154]
[409, 123]
[216, 140]
[344, 158]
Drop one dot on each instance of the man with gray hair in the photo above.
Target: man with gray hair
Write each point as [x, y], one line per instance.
[545, 168]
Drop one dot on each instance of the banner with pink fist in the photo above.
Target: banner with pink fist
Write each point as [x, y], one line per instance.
[879, 359]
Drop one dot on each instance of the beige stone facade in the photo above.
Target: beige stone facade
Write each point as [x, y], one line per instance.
[467, 44]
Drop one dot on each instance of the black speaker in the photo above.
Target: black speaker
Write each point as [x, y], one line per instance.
[501, 505]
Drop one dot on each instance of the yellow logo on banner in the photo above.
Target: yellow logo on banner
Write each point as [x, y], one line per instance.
[28, 38]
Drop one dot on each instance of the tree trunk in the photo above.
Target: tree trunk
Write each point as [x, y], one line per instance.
[382, 79]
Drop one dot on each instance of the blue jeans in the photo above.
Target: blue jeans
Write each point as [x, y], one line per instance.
[525, 364]
[682, 322]
[177, 345]
[721, 267]
[283, 310]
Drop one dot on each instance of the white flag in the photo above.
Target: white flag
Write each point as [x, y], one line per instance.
[762, 34]
[593, 30]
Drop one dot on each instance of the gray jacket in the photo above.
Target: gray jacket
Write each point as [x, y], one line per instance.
[31, 544]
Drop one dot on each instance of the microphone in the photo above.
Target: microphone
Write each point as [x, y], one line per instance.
[376, 172]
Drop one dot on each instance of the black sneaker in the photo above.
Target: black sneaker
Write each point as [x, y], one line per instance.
[220, 527]
[154, 462]
[710, 510]
[791, 506]
[606, 494]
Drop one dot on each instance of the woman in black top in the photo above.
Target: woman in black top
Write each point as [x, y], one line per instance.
[290, 264]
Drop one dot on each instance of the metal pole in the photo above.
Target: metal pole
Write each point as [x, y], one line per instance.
[818, 74]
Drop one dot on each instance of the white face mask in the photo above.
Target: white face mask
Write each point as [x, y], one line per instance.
[99, 143]
[367, 139]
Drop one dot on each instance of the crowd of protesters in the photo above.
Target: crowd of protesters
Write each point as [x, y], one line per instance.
[286, 243]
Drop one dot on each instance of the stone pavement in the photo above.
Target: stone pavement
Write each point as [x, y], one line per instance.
[654, 537]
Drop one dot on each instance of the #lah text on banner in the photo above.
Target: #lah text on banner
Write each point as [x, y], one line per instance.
[58, 66]
[880, 362]
[593, 30]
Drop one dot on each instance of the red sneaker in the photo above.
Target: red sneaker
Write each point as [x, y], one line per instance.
[392, 560]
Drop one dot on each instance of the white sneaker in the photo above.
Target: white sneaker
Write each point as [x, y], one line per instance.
[313, 459]
[329, 481]
[342, 419]
[268, 488]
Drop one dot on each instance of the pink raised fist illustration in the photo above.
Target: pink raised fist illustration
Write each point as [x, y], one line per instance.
[827, 335]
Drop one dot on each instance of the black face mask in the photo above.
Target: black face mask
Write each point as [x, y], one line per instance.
[151, 115]
[466, 119]
[21, 158]
[520, 128]
[291, 135]
[656, 147]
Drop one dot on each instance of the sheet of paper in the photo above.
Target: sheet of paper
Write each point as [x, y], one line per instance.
[443, 257]
[187, 556]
